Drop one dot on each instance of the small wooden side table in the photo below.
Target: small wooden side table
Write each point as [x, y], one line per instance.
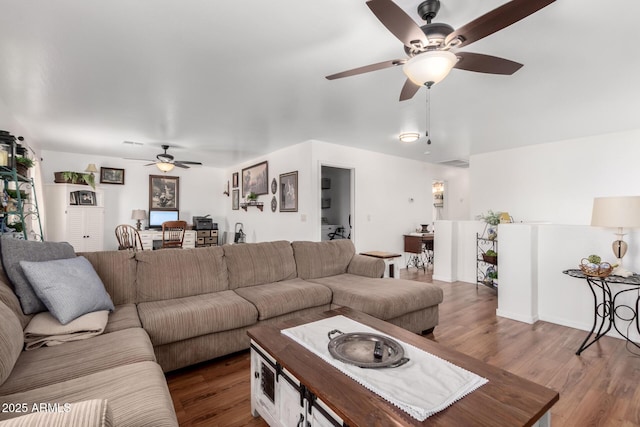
[390, 269]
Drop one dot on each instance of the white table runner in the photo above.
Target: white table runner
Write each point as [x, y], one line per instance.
[422, 387]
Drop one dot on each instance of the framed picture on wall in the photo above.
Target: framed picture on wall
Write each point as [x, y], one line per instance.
[289, 192]
[235, 180]
[255, 179]
[164, 192]
[111, 176]
[87, 198]
[235, 200]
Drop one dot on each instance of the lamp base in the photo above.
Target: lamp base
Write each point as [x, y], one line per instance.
[622, 272]
[138, 224]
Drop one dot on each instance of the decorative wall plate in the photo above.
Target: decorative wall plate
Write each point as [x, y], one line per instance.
[274, 203]
[274, 186]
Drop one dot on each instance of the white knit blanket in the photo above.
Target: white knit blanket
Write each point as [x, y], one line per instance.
[422, 387]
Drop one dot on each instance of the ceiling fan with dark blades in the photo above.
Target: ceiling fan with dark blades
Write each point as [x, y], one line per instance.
[429, 47]
[166, 162]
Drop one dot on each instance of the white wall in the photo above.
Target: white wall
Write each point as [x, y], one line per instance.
[556, 182]
[384, 186]
[200, 188]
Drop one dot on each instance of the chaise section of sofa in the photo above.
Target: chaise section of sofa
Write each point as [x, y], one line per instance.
[334, 264]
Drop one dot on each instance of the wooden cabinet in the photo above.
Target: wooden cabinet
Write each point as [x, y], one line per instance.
[80, 225]
[206, 238]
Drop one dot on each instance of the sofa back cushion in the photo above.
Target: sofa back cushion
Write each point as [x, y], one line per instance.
[9, 298]
[175, 273]
[322, 259]
[117, 270]
[16, 250]
[252, 264]
[11, 341]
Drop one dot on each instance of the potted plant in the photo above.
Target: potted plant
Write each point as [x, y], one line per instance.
[69, 177]
[23, 164]
[492, 219]
[490, 256]
[252, 197]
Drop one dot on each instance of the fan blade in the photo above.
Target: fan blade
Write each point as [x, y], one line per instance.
[185, 162]
[485, 63]
[496, 20]
[180, 165]
[408, 90]
[141, 160]
[398, 22]
[367, 69]
[150, 164]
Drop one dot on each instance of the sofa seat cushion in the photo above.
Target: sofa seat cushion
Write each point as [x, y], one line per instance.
[322, 259]
[381, 298]
[254, 264]
[181, 318]
[137, 394]
[49, 365]
[276, 299]
[123, 317]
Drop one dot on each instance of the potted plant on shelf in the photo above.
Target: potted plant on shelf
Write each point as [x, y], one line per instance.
[23, 164]
[68, 177]
[492, 219]
[490, 256]
[251, 198]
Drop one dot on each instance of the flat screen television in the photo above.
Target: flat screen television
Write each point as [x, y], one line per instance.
[156, 217]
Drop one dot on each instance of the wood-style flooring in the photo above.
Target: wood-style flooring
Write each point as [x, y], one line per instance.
[598, 388]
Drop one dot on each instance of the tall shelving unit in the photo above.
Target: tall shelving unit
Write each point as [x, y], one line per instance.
[486, 266]
[19, 200]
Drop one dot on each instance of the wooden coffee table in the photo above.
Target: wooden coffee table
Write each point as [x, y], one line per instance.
[334, 399]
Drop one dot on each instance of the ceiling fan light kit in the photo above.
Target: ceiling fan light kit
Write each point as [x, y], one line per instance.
[430, 67]
[165, 166]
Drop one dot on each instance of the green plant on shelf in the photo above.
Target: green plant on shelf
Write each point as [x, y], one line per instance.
[25, 161]
[76, 177]
[491, 217]
[492, 275]
[491, 252]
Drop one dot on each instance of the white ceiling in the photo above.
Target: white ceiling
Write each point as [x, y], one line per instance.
[227, 81]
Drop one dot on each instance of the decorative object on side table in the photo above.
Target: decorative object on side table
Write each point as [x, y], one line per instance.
[593, 267]
[620, 213]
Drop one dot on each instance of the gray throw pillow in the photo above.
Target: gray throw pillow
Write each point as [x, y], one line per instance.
[15, 250]
[69, 288]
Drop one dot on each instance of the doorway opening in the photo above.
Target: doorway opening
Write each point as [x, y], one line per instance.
[336, 203]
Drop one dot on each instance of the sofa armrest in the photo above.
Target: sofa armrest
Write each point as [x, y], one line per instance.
[367, 266]
[88, 413]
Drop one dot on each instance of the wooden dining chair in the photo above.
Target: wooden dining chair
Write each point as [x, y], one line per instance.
[173, 233]
[128, 238]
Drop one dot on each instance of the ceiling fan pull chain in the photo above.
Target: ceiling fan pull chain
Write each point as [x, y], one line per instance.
[428, 113]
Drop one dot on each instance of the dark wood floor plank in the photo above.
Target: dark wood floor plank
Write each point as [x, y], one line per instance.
[598, 388]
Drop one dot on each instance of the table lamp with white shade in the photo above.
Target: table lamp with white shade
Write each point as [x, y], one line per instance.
[138, 215]
[617, 212]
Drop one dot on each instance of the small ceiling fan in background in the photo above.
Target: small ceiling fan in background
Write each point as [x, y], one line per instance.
[430, 47]
[166, 162]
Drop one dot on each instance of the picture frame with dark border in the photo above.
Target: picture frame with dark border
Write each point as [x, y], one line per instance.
[86, 198]
[111, 176]
[289, 192]
[235, 180]
[72, 198]
[164, 192]
[235, 199]
[255, 179]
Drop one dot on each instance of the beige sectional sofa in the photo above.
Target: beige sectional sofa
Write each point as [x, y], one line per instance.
[175, 308]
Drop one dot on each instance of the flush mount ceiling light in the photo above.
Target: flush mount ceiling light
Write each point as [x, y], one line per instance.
[430, 67]
[409, 136]
[165, 166]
